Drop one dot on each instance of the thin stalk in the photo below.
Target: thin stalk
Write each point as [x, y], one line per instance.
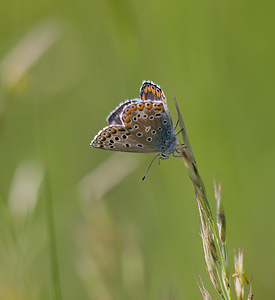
[52, 239]
[214, 248]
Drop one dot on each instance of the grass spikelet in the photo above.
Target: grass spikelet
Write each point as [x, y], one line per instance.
[213, 232]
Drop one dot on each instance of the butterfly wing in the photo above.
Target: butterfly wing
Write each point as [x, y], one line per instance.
[139, 125]
[114, 116]
[147, 127]
[113, 137]
[148, 91]
[151, 91]
[150, 125]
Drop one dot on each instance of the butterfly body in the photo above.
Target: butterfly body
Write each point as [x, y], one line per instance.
[140, 125]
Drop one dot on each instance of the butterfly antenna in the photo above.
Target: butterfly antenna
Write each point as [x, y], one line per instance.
[149, 167]
[173, 91]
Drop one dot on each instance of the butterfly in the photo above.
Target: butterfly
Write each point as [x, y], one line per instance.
[141, 125]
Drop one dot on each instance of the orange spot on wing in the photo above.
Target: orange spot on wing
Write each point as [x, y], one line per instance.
[158, 93]
[149, 89]
[133, 108]
[148, 105]
[127, 120]
[113, 131]
[128, 126]
[143, 96]
[140, 107]
[128, 111]
[108, 135]
[145, 90]
[158, 107]
[153, 90]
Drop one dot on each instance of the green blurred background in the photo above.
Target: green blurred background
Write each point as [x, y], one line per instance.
[64, 66]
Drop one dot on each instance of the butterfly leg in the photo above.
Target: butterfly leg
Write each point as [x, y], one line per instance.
[176, 124]
[179, 131]
[178, 150]
[176, 155]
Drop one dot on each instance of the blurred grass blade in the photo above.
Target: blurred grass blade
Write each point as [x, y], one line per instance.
[24, 189]
[106, 176]
[28, 51]
[52, 239]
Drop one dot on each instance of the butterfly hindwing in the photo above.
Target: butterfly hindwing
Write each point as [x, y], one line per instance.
[117, 138]
[111, 137]
[151, 124]
[146, 128]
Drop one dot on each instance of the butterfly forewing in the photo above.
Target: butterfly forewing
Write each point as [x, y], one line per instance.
[151, 91]
[114, 117]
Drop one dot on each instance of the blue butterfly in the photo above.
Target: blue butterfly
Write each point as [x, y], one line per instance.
[140, 125]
